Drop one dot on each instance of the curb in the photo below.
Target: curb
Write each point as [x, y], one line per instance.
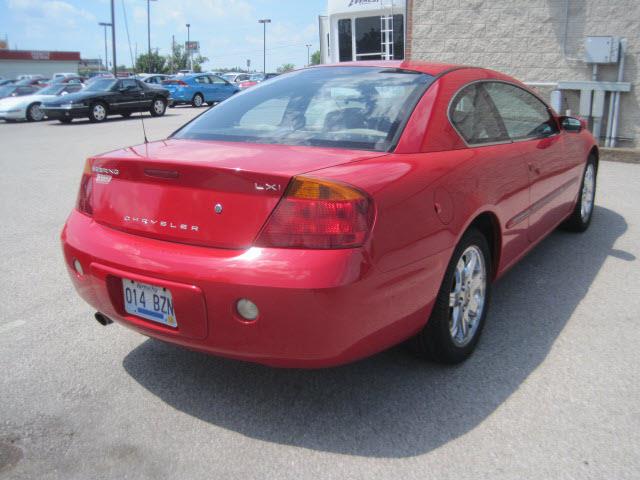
[622, 155]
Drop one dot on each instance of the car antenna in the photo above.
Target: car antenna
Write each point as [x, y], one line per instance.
[135, 73]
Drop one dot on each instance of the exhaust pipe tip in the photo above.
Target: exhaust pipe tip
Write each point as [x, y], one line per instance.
[103, 319]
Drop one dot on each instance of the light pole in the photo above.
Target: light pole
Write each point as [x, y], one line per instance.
[264, 22]
[106, 57]
[308, 57]
[113, 38]
[189, 46]
[149, 35]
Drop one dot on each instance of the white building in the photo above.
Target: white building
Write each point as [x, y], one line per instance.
[41, 62]
[363, 30]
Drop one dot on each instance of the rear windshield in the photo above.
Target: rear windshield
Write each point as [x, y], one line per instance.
[342, 107]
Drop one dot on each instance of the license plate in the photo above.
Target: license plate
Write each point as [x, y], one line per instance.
[149, 302]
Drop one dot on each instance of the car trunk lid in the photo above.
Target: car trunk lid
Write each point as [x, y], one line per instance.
[216, 194]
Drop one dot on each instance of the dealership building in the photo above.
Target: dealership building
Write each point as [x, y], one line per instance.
[40, 62]
[582, 55]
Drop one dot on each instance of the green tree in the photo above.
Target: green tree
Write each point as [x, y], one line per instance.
[198, 60]
[151, 64]
[315, 58]
[177, 59]
[286, 67]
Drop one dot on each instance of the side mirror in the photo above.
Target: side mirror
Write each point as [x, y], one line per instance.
[571, 124]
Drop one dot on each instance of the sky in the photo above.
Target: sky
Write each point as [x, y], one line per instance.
[228, 30]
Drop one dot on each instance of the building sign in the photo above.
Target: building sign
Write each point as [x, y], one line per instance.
[40, 55]
[192, 46]
[345, 6]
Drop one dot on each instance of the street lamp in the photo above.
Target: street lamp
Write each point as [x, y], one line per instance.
[308, 57]
[189, 46]
[106, 57]
[264, 22]
[149, 35]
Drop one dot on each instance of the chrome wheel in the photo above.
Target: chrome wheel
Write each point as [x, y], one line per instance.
[588, 192]
[467, 296]
[35, 112]
[99, 112]
[158, 107]
[197, 100]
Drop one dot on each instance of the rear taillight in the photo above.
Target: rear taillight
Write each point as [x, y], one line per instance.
[83, 203]
[318, 214]
[174, 82]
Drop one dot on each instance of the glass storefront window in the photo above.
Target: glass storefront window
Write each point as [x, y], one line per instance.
[345, 40]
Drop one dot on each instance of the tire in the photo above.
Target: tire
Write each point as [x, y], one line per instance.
[98, 112]
[441, 340]
[582, 214]
[126, 114]
[34, 113]
[65, 120]
[198, 100]
[158, 107]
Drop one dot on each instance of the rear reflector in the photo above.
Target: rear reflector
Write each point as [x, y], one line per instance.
[318, 214]
[83, 203]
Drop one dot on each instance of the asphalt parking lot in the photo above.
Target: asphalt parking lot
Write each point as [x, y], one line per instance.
[553, 391]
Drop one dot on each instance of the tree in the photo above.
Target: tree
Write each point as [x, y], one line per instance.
[315, 58]
[198, 61]
[177, 59]
[153, 64]
[286, 67]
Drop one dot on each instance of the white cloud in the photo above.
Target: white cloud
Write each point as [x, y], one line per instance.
[43, 13]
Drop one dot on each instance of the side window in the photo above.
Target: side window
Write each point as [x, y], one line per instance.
[218, 80]
[475, 117]
[73, 88]
[129, 83]
[524, 115]
[203, 79]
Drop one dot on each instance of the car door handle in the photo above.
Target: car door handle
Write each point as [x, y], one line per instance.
[534, 169]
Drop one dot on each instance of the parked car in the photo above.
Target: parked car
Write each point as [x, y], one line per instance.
[70, 79]
[253, 80]
[106, 97]
[331, 213]
[153, 78]
[199, 89]
[236, 77]
[35, 82]
[7, 81]
[185, 72]
[28, 107]
[13, 90]
[56, 76]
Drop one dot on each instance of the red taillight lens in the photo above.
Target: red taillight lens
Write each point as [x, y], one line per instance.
[83, 203]
[318, 214]
[173, 82]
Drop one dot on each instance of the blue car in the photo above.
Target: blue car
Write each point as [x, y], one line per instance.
[198, 89]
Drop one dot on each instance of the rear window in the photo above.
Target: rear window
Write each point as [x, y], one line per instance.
[342, 107]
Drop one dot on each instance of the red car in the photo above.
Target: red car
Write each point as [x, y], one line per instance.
[331, 213]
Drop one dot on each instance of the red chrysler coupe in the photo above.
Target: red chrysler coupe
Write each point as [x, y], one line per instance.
[330, 213]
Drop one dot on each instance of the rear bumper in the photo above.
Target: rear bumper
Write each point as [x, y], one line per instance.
[317, 308]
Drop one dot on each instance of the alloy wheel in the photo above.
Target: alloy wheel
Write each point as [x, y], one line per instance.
[36, 112]
[467, 296]
[99, 112]
[158, 107]
[588, 192]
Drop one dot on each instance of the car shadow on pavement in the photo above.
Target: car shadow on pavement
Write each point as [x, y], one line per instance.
[393, 405]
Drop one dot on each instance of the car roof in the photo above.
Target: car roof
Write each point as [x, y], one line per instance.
[430, 68]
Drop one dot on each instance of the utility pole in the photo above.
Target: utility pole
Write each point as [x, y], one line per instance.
[173, 50]
[264, 22]
[106, 57]
[113, 39]
[308, 57]
[149, 67]
[189, 47]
